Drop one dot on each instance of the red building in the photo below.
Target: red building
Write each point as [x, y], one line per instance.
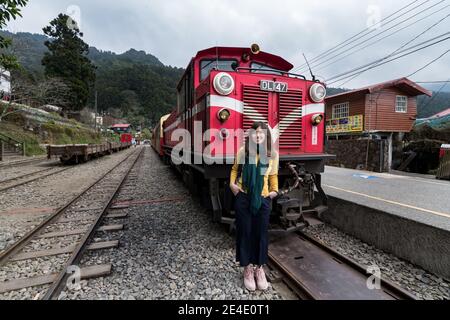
[386, 107]
[383, 111]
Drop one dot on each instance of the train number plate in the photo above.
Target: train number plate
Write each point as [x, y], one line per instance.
[273, 86]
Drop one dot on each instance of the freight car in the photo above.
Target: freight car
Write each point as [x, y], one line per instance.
[78, 153]
[223, 91]
[158, 134]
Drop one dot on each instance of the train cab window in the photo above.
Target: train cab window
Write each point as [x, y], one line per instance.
[210, 64]
[262, 68]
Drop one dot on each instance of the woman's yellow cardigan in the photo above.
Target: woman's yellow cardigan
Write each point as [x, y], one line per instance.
[270, 179]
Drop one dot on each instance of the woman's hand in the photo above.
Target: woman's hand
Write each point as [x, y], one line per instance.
[273, 195]
[235, 189]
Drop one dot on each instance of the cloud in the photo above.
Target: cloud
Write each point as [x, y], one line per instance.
[175, 30]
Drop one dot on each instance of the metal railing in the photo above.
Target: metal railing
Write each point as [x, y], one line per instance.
[15, 145]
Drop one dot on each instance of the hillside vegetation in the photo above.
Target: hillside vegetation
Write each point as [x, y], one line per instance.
[133, 85]
[138, 86]
[48, 133]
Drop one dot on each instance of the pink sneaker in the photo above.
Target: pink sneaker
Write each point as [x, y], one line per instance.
[261, 280]
[249, 278]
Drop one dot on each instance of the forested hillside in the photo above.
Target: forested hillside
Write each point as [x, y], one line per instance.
[134, 85]
[138, 86]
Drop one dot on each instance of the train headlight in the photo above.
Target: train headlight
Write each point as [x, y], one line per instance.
[223, 115]
[317, 92]
[317, 119]
[224, 83]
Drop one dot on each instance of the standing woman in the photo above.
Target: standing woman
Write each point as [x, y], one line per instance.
[254, 182]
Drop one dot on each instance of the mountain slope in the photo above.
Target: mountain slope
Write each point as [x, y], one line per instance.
[139, 86]
[134, 84]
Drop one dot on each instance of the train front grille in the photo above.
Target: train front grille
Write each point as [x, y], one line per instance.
[290, 119]
[256, 106]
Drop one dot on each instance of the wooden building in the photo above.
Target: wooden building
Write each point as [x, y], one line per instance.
[382, 111]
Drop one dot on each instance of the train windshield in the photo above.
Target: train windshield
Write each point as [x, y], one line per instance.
[211, 64]
[122, 130]
[262, 68]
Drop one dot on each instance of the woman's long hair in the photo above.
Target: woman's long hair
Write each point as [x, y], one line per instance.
[267, 147]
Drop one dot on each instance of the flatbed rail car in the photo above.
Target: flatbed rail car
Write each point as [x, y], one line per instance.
[78, 153]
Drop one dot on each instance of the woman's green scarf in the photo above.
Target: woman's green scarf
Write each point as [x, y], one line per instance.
[253, 181]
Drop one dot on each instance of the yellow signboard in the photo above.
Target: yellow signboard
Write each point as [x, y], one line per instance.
[344, 125]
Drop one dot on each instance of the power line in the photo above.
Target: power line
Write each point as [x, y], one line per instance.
[404, 45]
[381, 39]
[352, 37]
[437, 93]
[370, 65]
[380, 33]
[428, 64]
[438, 81]
[407, 54]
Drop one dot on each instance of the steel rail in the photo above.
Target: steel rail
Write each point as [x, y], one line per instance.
[75, 258]
[390, 286]
[24, 176]
[20, 163]
[303, 291]
[31, 180]
[23, 241]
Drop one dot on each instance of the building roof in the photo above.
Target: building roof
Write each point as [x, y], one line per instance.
[404, 84]
[121, 126]
[441, 114]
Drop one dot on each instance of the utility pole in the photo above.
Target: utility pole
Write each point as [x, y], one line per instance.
[96, 109]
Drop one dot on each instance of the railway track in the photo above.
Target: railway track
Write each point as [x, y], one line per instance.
[24, 162]
[30, 177]
[64, 236]
[314, 271]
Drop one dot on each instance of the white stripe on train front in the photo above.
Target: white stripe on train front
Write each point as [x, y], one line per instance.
[226, 102]
[238, 106]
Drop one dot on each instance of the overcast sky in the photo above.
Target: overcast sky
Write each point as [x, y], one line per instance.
[174, 30]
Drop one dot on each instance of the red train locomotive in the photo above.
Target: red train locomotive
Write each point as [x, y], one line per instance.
[124, 130]
[225, 89]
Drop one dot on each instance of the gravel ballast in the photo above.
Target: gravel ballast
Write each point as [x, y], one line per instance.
[421, 283]
[169, 250]
[23, 208]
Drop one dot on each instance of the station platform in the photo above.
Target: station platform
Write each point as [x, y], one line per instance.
[419, 198]
[403, 214]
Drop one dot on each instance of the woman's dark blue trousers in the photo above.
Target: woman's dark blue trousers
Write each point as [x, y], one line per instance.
[252, 237]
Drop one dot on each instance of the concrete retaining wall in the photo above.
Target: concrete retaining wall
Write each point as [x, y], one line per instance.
[351, 154]
[423, 245]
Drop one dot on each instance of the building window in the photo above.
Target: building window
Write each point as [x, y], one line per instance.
[401, 104]
[341, 110]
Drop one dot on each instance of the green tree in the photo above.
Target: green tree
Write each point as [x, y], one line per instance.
[146, 134]
[9, 9]
[67, 59]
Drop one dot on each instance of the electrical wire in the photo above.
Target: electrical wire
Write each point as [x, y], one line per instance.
[374, 64]
[402, 46]
[436, 94]
[378, 34]
[381, 39]
[428, 64]
[352, 37]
